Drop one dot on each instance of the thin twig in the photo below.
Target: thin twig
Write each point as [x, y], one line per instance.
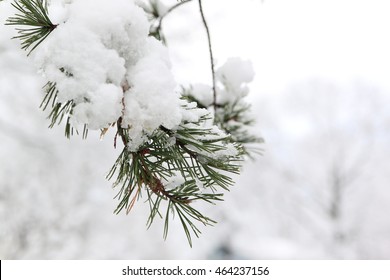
[120, 130]
[170, 10]
[211, 55]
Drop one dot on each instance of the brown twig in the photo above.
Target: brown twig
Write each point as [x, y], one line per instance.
[120, 130]
[211, 55]
[156, 186]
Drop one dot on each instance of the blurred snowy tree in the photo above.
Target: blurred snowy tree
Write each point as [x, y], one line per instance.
[325, 168]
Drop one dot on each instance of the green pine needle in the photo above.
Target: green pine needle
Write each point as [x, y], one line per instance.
[191, 156]
[34, 21]
[59, 111]
[233, 118]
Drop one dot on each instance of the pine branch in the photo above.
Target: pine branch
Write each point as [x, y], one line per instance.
[35, 22]
[197, 155]
[59, 111]
[233, 118]
[175, 167]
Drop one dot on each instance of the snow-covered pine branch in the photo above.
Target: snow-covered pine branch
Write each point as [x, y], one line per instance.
[106, 70]
[231, 111]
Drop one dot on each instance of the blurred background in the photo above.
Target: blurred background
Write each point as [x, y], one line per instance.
[321, 99]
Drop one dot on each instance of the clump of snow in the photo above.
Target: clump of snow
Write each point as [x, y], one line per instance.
[173, 182]
[229, 151]
[203, 93]
[105, 62]
[57, 11]
[152, 6]
[150, 102]
[232, 78]
[191, 113]
[235, 72]
[215, 133]
[171, 142]
[103, 102]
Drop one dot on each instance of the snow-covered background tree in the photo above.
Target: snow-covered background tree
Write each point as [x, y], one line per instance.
[319, 190]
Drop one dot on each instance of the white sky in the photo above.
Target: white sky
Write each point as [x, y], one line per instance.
[290, 40]
[337, 39]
